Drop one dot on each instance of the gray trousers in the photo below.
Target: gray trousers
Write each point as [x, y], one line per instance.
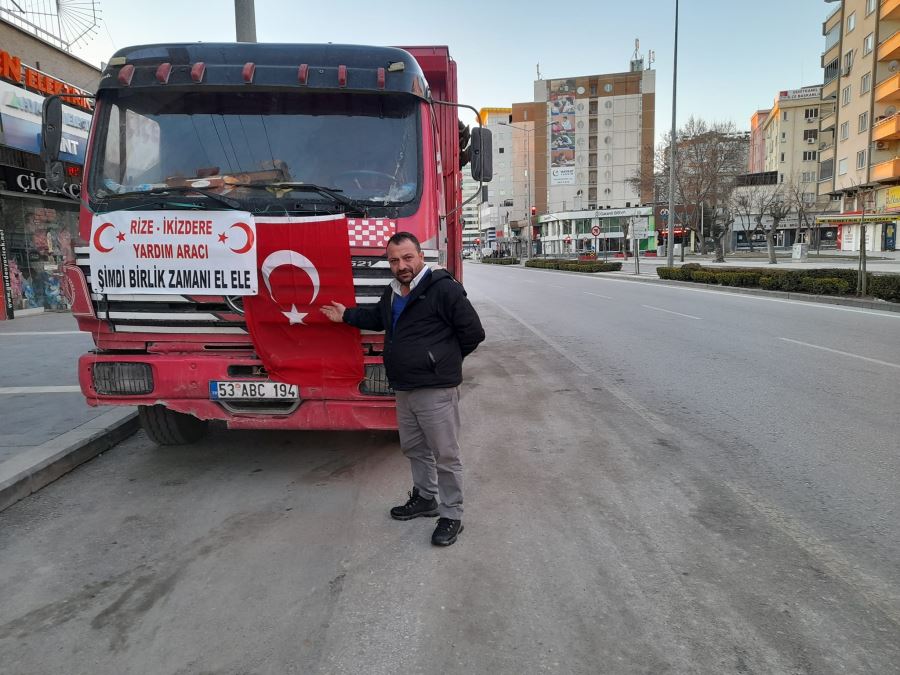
[428, 420]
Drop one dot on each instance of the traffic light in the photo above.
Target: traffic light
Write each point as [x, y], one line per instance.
[477, 241]
[533, 210]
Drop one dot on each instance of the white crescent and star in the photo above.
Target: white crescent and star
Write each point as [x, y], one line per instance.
[298, 260]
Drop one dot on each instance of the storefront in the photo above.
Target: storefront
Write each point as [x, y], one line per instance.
[880, 230]
[38, 226]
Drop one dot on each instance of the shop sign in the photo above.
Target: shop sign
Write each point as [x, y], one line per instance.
[892, 198]
[12, 69]
[178, 252]
[32, 182]
[7, 281]
[20, 114]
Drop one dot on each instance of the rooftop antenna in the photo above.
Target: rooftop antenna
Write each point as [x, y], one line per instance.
[651, 58]
[637, 61]
[539, 71]
[63, 23]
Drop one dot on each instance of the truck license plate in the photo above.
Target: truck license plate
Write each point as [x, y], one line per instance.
[253, 390]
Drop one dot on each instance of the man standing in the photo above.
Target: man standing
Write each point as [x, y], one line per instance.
[430, 327]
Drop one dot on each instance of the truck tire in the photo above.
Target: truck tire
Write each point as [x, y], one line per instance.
[167, 427]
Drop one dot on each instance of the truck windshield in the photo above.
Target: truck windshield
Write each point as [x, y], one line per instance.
[363, 147]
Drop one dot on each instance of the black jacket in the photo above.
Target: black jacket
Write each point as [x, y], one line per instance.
[437, 329]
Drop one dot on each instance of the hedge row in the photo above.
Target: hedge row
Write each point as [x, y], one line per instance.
[501, 261]
[818, 281]
[574, 265]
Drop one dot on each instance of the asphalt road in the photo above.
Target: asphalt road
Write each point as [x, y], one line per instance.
[659, 480]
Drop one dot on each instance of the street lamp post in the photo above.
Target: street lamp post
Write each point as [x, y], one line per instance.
[670, 253]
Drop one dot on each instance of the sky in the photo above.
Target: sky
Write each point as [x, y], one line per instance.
[733, 57]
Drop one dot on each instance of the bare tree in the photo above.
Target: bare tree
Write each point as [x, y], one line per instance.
[801, 204]
[709, 157]
[719, 229]
[778, 209]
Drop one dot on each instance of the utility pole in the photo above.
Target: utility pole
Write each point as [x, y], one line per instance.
[670, 253]
[244, 21]
[861, 271]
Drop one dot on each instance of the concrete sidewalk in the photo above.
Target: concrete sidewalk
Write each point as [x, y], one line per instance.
[46, 428]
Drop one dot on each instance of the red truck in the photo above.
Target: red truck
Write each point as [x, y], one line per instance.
[230, 190]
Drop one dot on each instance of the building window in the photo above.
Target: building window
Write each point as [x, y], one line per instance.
[782, 157]
[500, 150]
[781, 178]
[865, 83]
[870, 6]
[861, 159]
[783, 136]
[845, 131]
[851, 22]
[863, 122]
[869, 44]
[848, 62]
[842, 166]
[810, 134]
[845, 95]
[808, 177]
[811, 113]
[809, 198]
[809, 156]
[784, 115]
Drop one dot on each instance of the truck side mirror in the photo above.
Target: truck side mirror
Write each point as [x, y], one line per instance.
[51, 137]
[481, 153]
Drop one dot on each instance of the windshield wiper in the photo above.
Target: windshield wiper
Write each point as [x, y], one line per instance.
[183, 189]
[281, 188]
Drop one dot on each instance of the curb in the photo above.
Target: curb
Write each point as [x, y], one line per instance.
[807, 297]
[882, 305]
[39, 466]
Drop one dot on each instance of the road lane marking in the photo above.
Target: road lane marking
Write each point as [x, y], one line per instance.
[669, 311]
[597, 295]
[838, 351]
[43, 332]
[41, 390]
[642, 411]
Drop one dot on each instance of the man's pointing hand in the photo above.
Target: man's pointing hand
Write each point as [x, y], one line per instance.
[335, 311]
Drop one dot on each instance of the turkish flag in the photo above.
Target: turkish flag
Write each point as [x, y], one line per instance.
[303, 264]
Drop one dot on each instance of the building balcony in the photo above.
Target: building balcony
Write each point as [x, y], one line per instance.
[886, 171]
[889, 49]
[887, 129]
[889, 89]
[890, 10]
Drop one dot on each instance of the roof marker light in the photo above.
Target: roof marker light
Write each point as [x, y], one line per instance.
[247, 71]
[303, 73]
[342, 76]
[197, 71]
[163, 72]
[125, 75]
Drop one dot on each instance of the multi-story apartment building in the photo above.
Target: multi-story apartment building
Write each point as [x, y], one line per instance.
[791, 133]
[859, 160]
[587, 139]
[757, 161]
[471, 215]
[500, 202]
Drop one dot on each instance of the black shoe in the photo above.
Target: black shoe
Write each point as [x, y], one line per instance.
[446, 532]
[416, 506]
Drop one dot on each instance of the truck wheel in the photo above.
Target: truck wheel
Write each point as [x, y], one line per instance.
[167, 427]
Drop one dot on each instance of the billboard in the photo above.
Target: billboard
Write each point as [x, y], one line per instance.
[562, 132]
